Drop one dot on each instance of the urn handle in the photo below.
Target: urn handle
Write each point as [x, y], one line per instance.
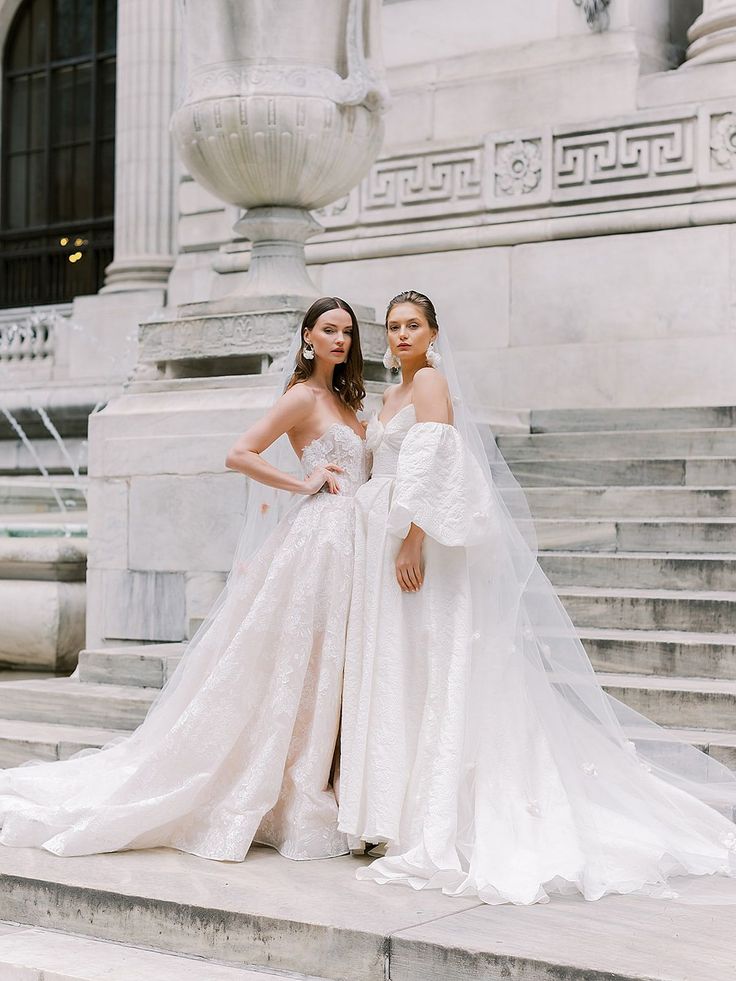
[365, 83]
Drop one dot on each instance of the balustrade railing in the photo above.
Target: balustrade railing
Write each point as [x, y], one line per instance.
[28, 341]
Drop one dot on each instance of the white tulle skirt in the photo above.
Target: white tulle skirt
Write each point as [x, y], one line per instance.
[243, 747]
[486, 771]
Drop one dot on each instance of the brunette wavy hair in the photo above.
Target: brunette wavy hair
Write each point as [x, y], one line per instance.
[347, 381]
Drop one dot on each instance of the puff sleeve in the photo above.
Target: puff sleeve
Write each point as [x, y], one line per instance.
[441, 488]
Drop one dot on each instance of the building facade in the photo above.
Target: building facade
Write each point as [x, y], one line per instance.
[559, 175]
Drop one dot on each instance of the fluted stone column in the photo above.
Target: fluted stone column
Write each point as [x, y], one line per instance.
[144, 152]
[713, 35]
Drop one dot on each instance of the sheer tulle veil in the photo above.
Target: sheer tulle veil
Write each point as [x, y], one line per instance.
[525, 638]
[264, 507]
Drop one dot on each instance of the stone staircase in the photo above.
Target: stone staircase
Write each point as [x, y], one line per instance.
[636, 517]
[636, 521]
[637, 526]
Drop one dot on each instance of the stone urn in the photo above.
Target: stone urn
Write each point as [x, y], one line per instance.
[282, 114]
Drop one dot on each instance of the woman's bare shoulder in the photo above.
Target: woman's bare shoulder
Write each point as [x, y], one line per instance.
[429, 381]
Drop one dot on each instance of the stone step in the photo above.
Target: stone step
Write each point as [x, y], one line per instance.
[56, 558]
[143, 665]
[634, 502]
[607, 420]
[315, 918]
[668, 653]
[21, 740]
[641, 570]
[720, 745]
[34, 954]
[44, 525]
[26, 494]
[712, 535]
[625, 472]
[650, 609]
[16, 459]
[68, 702]
[648, 444]
[692, 703]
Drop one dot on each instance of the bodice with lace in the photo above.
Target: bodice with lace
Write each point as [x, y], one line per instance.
[340, 445]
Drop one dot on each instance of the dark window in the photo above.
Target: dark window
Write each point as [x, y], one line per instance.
[58, 151]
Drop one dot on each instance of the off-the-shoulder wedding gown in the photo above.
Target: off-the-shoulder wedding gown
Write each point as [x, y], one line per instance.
[486, 774]
[243, 748]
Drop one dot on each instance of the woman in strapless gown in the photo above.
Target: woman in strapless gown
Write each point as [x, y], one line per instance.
[239, 745]
[476, 740]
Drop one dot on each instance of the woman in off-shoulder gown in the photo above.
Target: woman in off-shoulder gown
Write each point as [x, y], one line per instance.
[477, 742]
[239, 745]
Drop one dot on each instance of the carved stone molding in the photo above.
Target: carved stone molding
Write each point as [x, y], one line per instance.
[723, 141]
[647, 153]
[713, 35]
[409, 182]
[628, 159]
[518, 167]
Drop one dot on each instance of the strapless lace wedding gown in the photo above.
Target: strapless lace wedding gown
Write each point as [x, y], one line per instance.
[482, 784]
[243, 751]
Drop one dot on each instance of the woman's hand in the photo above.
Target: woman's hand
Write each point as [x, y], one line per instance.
[409, 565]
[321, 476]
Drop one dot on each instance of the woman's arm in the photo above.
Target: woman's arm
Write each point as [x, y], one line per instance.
[245, 453]
[431, 396]
[431, 399]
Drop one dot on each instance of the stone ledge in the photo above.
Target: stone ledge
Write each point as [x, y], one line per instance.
[58, 559]
[316, 918]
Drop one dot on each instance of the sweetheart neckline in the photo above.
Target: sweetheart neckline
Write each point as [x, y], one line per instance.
[332, 426]
[385, 425]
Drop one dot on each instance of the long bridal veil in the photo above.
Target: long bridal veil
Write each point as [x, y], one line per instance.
[527, 652]
[101, 799]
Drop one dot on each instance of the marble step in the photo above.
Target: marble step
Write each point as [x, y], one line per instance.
[27, 494]
[21, 740]
[606, 420]
[54, 557]
[633, 502]
[625, 472]
[691, 703]
[665, 653]
[641, 570]
[44, 525]
[316, 919]
[16, 459]
[68, 702]
[144, 665]
[710, 535]
[720, 745]
[651, 609]
[662, 444]
[34, 954]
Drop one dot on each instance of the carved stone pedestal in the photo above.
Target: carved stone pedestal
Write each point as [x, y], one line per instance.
[237, 335]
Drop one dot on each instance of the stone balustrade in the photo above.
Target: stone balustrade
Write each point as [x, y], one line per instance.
[28, 341]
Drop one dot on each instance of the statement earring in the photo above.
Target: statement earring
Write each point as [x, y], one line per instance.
[390, 361]
[434, 358]
[308, 351]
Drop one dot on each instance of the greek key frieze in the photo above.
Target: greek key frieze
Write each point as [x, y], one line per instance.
[626, 160]
[449, 179]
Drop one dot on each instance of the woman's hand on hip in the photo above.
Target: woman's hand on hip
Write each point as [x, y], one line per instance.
[321, 476]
